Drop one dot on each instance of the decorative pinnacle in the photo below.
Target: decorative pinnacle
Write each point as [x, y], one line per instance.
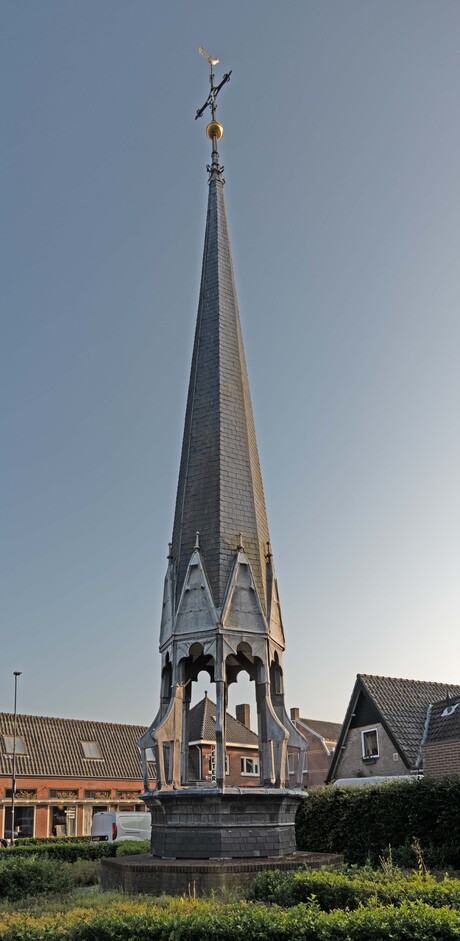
[214, 129]
[240, 546]
[197, 541]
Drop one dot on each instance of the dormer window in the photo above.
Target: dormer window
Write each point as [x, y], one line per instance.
[91, 750]
[370, 744]
[9, 745]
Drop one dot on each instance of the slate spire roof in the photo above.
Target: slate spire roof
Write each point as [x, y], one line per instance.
[220, 491]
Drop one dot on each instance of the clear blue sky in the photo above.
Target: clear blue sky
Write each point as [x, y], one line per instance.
[342, 160]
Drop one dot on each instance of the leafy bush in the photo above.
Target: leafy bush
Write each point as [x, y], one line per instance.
[341, 889]
[31, 876]
[67, 852]
[193, 920]
[36, 840]
[83, 872]
[132, 847]
[362, 822]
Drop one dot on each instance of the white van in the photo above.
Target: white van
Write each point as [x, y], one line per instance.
[112, 826]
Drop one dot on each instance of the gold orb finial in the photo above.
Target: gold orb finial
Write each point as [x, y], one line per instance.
[214, 129]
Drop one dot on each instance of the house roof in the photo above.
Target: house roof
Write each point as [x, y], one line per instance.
[402, 707]
[53, 747]
[444, 721]
[203, 726]
[330, 731]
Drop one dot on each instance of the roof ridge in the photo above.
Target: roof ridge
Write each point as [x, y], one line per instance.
[402, 679]
[33, 715]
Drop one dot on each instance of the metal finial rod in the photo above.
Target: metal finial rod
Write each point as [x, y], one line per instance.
[215, 89]
[197, 541]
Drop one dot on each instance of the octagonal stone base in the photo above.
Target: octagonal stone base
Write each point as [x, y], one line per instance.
[132, 874]
[195, 823]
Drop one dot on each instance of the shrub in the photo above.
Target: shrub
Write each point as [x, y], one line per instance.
[83, 872]
[132, 847]
[332, 890]
[31, 876]
[36, 840]
[67, 852]
[362, 822]
[190, 920]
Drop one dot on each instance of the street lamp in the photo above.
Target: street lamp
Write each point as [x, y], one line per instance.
[13, 792]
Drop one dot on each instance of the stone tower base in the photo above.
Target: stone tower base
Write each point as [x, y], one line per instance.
[132, 874]
[204, 823]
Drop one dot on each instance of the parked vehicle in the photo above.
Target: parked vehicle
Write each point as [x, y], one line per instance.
[374, 780]
[112, 826]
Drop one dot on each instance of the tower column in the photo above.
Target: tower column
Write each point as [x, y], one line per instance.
[221, 705]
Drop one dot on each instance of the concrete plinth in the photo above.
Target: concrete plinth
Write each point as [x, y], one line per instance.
[144, 874]
[199, 823]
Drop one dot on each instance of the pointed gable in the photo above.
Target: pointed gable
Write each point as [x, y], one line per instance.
[195, 611]
[399, 705]
[242, 610]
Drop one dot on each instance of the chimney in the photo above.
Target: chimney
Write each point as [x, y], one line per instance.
[243, 714]
[295, 713]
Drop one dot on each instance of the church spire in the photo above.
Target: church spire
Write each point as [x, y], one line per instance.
[220, 491]
[221, 610]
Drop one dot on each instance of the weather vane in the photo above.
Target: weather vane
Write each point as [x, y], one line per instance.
[214, 129]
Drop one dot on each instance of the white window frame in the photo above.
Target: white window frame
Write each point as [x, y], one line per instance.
[88, 747]
[365, 732]
[291, 763]
[244, 765]
[9, 740]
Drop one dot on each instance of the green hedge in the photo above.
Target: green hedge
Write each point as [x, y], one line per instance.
[183, 920]
[35, 840]
[339, 889]
[132, 847]
[22, 877]
[67, 852]
[363, 822]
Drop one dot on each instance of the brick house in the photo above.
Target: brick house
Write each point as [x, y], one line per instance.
[67, 769]
[441, 742]
[384, 727]
[322, 739]
[242, 746]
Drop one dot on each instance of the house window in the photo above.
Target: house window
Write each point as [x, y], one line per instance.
[91, 750]
[9, 745]
[63, 821]
[291, 763]
[370, 744]
[149, 756]
[23, 821]
[64, 794]
[250, 766]
[22, 793]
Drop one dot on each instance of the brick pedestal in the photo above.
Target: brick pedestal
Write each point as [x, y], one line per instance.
[199, 877]
[193, 823]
